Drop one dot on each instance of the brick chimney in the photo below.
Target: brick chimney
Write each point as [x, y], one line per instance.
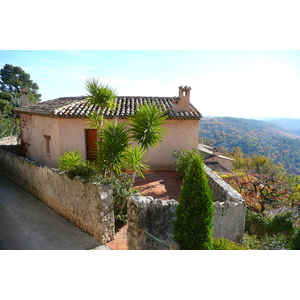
[24, 96]
[182, 103]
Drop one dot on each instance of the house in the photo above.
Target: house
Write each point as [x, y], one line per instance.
[215, 161]
[50, 128]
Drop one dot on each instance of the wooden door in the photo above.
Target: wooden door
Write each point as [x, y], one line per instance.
[91, 144]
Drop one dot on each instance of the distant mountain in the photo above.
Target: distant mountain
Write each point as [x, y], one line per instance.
[292, 125]
[253, 137]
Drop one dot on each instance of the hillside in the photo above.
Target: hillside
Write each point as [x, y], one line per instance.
[292, 125]
[253, 137]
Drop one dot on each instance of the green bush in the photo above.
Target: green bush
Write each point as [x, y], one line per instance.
[184, 159]
[224, 244]
[70, 159]
[194, 213]
[282, 223]
[257, 223]
[121, 194]
[86, 170]
[295, 244]
[275, 242]
[74, 165]
[251, 242]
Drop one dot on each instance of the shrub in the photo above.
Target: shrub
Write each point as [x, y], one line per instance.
[86, 170]
[224, 244]
[257, 223]
[295, 244]
[282, 223]
[121, 193]
[275, 242]
[251, 242]
[194, 213]
[184, 160]
[69, 159]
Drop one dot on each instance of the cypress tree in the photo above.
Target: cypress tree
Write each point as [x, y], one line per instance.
[194, 213]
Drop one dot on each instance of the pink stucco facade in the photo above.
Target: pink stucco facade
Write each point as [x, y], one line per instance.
[63, 134]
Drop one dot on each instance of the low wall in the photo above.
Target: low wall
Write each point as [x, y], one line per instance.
[156, 216]
[89, 206]
[152, 215]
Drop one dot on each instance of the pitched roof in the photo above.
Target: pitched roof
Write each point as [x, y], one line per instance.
[77, 107]
[219, 168]
[210, 152]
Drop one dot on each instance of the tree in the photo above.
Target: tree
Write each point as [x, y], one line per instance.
[112, 147]
[13, 79]
[102, 95]
[114, 152]
[194, 213]
[146, 126]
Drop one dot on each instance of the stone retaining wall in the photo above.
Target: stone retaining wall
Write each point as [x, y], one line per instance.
[156, 216]
[89, 206]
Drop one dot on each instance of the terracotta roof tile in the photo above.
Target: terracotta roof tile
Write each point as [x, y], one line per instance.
[77, 107]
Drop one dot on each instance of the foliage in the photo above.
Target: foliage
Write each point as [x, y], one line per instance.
[268, 233]
[224, 244]
[102, 95]
[86, 170]
[254, 137]
[257, 223]
[251, 242]
[8, 126]
[146, 126]
[275, 242]
[114, 140]
[5, 108]
[267, 242]
[183, 160]
[295, 243]
[283, 223]
[121, 193]
[69, 159]
[263, 184]
[13, 79]
[135, 160]
[74, 165]
[194, 214]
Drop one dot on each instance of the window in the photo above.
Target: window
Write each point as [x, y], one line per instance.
[47, 138]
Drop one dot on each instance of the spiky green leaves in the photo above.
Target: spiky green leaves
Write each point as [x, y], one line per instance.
[146, 126]
[135, 159]
[99, 94]
[69, 159]
[112, 146]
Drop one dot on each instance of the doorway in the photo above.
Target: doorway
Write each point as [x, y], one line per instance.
[91, 144]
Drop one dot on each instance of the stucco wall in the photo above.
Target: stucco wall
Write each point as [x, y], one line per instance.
[33, 129]
[181, 134]
[89, 206]
[69, 134]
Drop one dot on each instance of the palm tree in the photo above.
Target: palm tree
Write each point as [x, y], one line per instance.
[114, 141]
[135, 160]
[102, 95]
[146, 126]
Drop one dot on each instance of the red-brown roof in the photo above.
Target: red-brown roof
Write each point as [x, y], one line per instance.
[77, 107]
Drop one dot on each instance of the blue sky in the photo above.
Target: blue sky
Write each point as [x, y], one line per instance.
[224, 83]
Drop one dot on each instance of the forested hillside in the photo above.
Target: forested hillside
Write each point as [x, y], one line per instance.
[292, 125]
[253, 137]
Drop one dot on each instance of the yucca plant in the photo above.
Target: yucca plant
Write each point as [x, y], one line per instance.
[102, 95]
[135, 160]
[146, 126]
[69, 159]
[112, 146]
